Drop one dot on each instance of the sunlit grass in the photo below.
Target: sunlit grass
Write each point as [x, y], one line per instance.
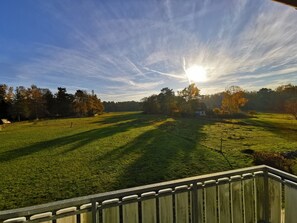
[56, 159]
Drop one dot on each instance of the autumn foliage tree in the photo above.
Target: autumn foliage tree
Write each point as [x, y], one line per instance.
[86, 104]
[190, 93]
[95, 106]
[233, 99]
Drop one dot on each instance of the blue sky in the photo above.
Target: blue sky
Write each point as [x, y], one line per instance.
[126, 50]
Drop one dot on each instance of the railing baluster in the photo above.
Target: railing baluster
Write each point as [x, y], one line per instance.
[149, 208]
[210, 201]
[86, 217]
[194, 203]
[224, 200]
[236, 199]
[165, 206]
[266, 196]
[290, 201]
[68, 219]
[111, 214]
[130, 211]
[248, 198]
[259, 192]
[182, 204]
[275, 198]
[200, 201]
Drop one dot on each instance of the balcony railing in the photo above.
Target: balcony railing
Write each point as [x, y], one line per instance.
[255, 194]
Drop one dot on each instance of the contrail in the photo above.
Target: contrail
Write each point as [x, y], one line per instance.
[184, 67]
[165, 74]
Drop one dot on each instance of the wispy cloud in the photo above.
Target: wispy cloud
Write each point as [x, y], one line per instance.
[131, 50]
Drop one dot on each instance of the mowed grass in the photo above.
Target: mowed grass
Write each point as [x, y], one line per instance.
[50, 160]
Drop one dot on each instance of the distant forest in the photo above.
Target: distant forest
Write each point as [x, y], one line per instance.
[234, 100]
[33, 103]
[111, 106]
[30, 103]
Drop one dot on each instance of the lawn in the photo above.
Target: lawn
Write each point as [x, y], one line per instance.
[50, 160]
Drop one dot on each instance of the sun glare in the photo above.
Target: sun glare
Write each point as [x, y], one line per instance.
[196, 73]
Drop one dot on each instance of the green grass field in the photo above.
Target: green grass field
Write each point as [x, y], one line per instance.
[51, 160]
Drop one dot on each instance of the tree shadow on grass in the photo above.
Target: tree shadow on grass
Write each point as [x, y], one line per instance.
[288, 132]
[114, 117]
[167, 152]
[75, 141]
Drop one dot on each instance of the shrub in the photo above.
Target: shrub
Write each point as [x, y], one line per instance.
[252, 112]
[273, 159]
[216, 111]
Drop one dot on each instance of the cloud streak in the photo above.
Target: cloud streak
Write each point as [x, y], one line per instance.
[127, 51]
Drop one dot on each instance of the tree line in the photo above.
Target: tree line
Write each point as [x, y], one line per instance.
[111, 106]
[233, 101]
[24, 103]
[32, 103]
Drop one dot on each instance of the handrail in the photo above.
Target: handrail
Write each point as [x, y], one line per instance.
[281, 173]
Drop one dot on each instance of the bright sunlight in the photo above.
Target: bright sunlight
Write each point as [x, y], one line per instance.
[196, 73]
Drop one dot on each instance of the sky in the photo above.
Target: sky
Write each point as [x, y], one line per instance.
[127, 50]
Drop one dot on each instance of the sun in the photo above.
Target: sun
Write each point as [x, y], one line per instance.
[196, 73]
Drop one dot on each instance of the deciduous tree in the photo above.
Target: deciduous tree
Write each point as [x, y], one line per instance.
[190, 93]
[233, 99]
[87, 105]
